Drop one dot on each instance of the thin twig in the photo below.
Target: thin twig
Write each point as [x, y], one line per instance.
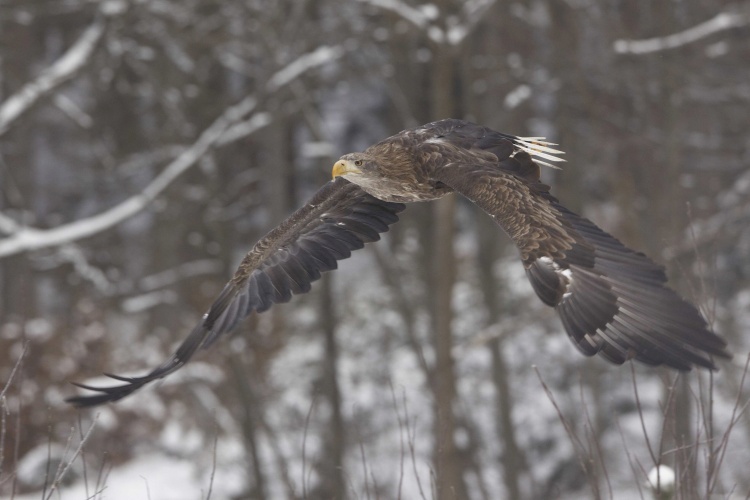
[49, 456]
[640, 417]
[566, 425]
[213, 464]
[4, 405]
[364, 468]
[401, 440]
[737, 412]
[148, 489]
[66, 468]
[83, 456]
[595, 441]
[631, 463]
[304, 447]
[15, 369]
[412, 451]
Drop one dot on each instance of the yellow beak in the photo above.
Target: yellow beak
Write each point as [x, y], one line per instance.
[343, 167]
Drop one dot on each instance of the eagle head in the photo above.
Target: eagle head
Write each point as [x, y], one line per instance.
[355, 164]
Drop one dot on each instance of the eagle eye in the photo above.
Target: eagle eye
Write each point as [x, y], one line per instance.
[357, 163]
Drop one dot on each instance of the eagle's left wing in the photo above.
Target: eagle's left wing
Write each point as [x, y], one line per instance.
[337, 220]
[612, 300]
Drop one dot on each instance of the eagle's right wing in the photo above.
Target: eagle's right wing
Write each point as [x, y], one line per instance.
[612, 300]
[338, 219]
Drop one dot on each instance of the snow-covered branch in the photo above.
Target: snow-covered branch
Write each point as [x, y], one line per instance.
[28, 238]
[420, 18]
[72, 254]
[7, 225]
[474, 11]
[157, 286]
[293, 70]
[721, 22]
[425, 18]
[236, 122]
[65, 68]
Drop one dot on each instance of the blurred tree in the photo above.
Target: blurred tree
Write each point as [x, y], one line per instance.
[144, 147]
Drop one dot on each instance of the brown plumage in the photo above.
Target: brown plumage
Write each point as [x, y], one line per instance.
[612, 300]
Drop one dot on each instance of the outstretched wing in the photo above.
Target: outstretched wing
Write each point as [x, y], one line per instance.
[612, 300]
[338, 219]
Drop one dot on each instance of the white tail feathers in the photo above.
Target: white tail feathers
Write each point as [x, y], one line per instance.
[540, 149]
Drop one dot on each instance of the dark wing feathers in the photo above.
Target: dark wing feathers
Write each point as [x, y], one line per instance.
[612, 300]
[648, 313]
[338, 219]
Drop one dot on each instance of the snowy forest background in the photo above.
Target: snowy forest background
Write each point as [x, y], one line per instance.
[145, 145]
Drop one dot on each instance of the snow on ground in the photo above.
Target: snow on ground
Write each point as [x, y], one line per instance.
[388, 411]
[156, 477]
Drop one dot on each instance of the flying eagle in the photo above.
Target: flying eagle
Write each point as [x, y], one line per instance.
[612, 300]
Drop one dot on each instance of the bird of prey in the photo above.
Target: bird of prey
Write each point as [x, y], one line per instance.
[612, 300]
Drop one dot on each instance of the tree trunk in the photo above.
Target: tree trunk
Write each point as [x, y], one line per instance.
[250, 425]
[512, 458]
[448, 467]
[331, 470]
[333, 483]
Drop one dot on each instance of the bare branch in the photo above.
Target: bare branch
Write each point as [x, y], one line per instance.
[64, 69]
[721, 22]
[13, 372]
[7, 225]
[475, 11]
[28, 238]
[419, 18]
[65, 466]
[424, 19]
[73, 255]
[232, 125]
[293, 70]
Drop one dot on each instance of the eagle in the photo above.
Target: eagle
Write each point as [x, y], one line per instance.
[613, 301]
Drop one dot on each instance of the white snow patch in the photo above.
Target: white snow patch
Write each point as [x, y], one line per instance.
[158, 477]
[317, 149]
[661, 480]
[518, 95]
[430, 11]
[38, 329]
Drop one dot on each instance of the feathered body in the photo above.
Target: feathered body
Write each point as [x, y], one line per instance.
[612, 300]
